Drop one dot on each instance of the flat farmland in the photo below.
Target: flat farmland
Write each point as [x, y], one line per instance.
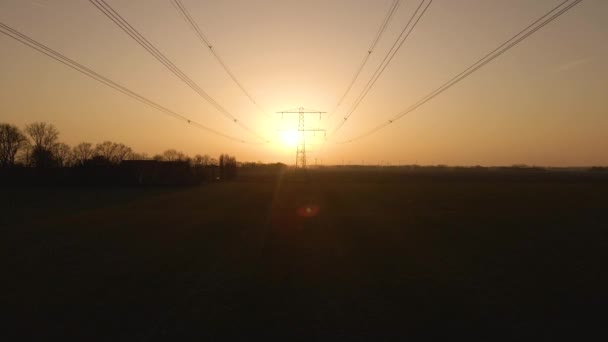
[340, 254]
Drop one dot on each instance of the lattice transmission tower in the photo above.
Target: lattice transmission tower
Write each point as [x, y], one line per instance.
[302, 131]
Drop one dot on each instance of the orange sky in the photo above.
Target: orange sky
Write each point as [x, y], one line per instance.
[542, 103]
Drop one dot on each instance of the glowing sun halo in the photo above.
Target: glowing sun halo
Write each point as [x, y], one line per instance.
[289, 138]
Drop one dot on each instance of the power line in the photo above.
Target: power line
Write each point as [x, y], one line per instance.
[386, 61]
[370, 50]
[516, 39]
[121, 22]
[133, 33]
[20, 37]
[186, 15]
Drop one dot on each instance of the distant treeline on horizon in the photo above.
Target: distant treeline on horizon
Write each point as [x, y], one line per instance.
[36, 155]
[38, 145]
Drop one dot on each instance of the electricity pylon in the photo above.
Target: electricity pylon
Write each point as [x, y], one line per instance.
[302, 130]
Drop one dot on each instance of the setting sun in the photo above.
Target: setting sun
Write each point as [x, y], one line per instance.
[289, 138]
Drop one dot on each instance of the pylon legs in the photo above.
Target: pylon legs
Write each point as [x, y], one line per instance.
[301, 152]
[301, 156]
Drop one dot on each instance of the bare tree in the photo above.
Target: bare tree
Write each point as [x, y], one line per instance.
[227, 166]
[11, 141]
[82, 152]
[62, 154]
[121, 152]
[113, 152]
[173, 155]
[44, 137]
[199, 160]
[105, 150]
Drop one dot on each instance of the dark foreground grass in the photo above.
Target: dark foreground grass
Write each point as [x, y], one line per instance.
[328, 256]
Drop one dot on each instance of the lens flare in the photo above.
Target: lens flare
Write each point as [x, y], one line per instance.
[310, 210]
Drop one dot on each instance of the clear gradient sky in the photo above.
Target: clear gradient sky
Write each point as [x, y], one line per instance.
[542, 103]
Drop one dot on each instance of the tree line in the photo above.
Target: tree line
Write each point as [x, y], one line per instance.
[38, 146]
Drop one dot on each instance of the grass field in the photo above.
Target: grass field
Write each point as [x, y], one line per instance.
[334, 254]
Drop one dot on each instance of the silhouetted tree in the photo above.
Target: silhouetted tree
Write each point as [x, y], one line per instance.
[227, 166]
[105, 150]
[62, 154]
[112, 152]
[173, 155]
[196, 161]
[82, 152]
[44, 137]
[122, 152]
[201, 160]
[12, 140]
[41, 158]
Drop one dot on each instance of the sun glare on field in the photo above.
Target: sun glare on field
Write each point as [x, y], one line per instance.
[289, 138]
